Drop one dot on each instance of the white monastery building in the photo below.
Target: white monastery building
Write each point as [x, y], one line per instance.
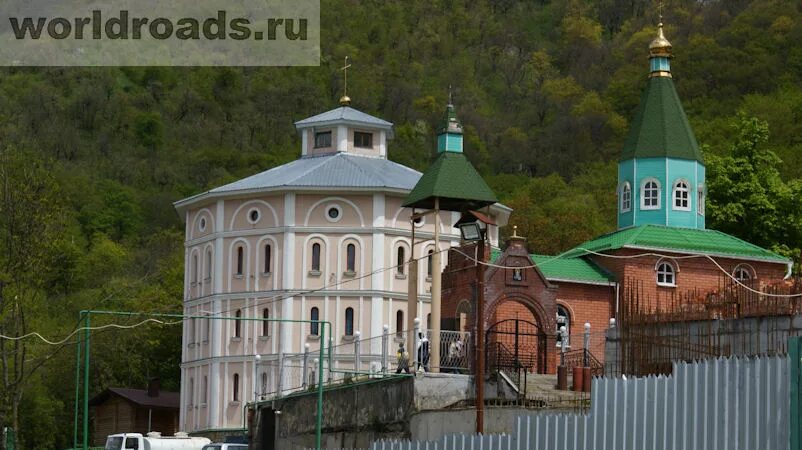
[321, 238]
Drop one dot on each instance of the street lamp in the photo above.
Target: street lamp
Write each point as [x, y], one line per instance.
[471, 228]
[470, 231]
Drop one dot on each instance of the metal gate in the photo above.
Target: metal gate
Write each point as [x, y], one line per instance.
[515, 346]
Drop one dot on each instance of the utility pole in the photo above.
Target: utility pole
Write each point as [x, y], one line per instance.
[480, 335]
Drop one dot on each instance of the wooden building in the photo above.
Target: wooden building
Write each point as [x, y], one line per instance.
[121, 410]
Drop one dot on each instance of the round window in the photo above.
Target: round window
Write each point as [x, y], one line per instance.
[202, 224]
[253, 215]
[334, 213]
[418, 221]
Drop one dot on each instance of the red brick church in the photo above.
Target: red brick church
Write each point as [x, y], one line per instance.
[661, 247]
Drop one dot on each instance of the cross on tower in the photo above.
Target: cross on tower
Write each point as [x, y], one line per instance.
[345, 100]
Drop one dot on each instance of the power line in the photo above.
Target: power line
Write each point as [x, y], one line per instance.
[77, 330]
[640, 255]
[157, 321]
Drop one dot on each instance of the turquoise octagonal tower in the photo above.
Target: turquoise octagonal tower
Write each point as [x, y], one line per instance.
[661, 174]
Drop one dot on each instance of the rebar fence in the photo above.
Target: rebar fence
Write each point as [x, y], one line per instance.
[732, 320]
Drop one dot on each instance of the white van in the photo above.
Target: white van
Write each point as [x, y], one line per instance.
[217, 446]
[154, 441]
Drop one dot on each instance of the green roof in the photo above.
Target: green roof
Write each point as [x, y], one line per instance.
[580, 270]
[682, 240]
[453, 180]
[660, 128]
[571, 269]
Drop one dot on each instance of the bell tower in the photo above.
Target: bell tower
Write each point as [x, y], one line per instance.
[661, 174]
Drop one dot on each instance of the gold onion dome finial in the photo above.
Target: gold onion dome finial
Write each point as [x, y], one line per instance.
[660, 45]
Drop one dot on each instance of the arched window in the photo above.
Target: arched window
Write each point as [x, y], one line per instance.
[682, 198]
[666, 275]
[315, 257]
[429, 261]
[399, 322]
[195, 270]
[350, 258]
[650, 194]
[429, 321]
[191, 395]
[626, 197]
[191, 330]
[208, 264]
[237, 323]
[240, 259]
[463, 310]
[400, 261]
[743, 273]
[268, 250]
[563, 320]
[314, 314]
[265, 322]
[700, 201]
[205, 393]
[264, 384]
[349, 321]
[235, 386]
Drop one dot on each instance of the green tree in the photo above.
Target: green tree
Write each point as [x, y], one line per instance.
[30, 220]
[747, 196]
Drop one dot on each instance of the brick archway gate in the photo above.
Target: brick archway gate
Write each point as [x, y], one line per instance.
[516, 345]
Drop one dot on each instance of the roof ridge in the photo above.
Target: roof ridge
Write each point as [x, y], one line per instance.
[638, 231]
[361, 170]
[743, 241]
[311, 169]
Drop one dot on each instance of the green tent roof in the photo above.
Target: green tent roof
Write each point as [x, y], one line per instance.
[683, 240]
[453, 180]
[660, 128]
[557, 268]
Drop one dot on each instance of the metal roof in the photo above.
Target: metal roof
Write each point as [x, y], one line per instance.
[164, 399]
[571, 270]
[336, 170]
[344, 114]
[453, 180]
[660, 127]
[683, 240]
[580, 270]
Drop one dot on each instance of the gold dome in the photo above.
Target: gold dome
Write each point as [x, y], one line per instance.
[345, 100]
[660, 45]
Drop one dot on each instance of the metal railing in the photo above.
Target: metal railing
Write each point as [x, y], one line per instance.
[358, 359]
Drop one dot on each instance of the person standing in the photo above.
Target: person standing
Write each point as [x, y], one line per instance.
[402, 357]
[423, 352]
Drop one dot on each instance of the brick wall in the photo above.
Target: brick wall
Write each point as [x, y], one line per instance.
[698, 274]
[535, 299]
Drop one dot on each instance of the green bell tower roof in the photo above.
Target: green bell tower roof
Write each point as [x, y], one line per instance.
[660, 128]
[451, 178]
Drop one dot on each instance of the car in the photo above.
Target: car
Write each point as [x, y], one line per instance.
[221, 446]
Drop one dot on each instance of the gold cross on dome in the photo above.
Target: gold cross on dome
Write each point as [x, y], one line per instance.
[345, 100]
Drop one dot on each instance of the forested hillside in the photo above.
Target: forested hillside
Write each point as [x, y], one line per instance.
[91, 159]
